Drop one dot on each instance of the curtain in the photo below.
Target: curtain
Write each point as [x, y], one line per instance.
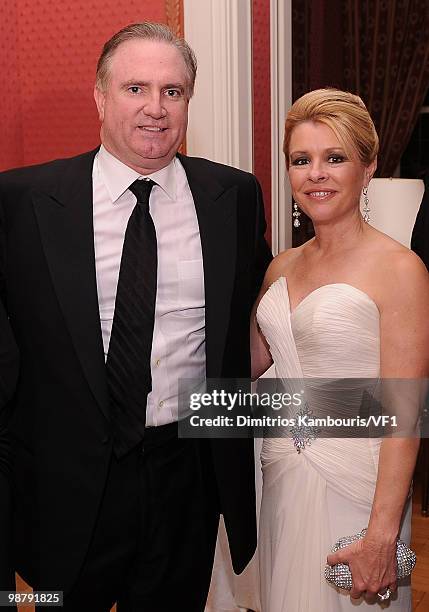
[317, 59]
[386, 58]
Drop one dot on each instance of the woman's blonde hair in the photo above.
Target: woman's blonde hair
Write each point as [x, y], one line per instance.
[346, 115]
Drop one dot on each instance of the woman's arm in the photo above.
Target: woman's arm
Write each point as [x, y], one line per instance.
[404, 335]
[259, 349]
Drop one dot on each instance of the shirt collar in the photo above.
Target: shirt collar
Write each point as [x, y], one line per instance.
[117, 176]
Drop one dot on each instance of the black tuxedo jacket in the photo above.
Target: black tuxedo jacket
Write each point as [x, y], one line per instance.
[58, 418]
[420, 237]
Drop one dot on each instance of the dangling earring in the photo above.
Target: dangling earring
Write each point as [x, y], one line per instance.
[296, 215]
[366, 208]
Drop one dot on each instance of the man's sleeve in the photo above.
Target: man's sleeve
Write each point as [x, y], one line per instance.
[420, 237]
[262, 252]
[8, 378]
[9, 356]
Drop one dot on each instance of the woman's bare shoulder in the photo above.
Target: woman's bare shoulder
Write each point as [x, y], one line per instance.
[406, 268]
[281, 264]
[400, 273]
[388, 253]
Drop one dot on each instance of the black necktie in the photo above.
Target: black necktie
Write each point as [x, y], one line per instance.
[128, 360]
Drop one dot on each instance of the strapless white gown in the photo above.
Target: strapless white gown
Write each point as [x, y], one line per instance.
[311, 499]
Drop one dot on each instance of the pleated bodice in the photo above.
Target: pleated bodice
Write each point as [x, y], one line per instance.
[332, 333]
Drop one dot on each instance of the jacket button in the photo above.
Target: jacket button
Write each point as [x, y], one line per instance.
[106, 439]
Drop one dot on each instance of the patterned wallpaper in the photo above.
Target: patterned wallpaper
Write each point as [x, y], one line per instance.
[48, 53]
[262, 102]
[10, 101]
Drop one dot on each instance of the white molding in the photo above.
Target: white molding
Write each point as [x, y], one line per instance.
[281, 100]
[220, 114]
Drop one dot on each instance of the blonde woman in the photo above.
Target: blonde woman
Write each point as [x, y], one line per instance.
[349, 303]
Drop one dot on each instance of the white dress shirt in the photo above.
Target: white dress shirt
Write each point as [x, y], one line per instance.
[178, 347]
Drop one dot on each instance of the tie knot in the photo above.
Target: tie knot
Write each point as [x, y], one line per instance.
[141, 188]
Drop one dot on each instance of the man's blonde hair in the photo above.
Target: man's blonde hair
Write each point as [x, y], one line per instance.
[346, 115]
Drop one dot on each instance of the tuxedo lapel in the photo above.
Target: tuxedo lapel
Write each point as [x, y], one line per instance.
[217, 218]
[65, 219]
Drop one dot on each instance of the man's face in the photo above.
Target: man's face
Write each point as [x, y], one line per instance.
[144, 108]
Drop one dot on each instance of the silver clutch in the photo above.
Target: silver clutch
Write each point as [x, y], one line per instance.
[340, 575]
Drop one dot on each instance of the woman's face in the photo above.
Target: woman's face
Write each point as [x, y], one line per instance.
[325, 182]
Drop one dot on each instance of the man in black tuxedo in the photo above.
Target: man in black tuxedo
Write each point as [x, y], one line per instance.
[114, 288]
